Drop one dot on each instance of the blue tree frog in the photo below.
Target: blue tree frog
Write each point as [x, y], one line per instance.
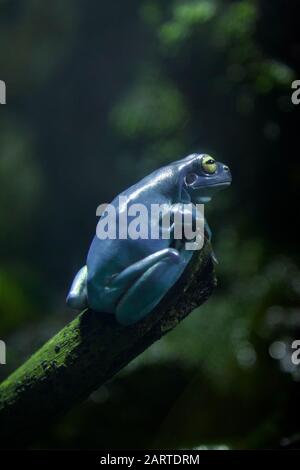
[129, 277]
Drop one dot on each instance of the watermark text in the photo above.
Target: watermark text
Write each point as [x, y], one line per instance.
[2, 92]
[2, 353]
[155, 221]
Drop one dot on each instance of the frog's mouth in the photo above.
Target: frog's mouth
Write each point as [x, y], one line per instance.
[222, 184]
[219, 185]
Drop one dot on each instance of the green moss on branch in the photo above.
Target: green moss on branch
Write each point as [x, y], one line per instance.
[87, 352]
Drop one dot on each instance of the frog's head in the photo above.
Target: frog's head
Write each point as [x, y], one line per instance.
[203, 176]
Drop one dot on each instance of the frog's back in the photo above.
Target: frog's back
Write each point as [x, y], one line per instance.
[110, 256]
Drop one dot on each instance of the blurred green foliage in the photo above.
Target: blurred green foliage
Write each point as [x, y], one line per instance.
[98, 95]
[165, 114]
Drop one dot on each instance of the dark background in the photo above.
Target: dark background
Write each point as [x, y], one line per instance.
[98, 95]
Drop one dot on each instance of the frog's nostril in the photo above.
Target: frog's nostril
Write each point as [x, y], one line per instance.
[225, 168]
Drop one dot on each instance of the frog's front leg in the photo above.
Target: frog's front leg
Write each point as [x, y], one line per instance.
[159, 273]
[209, 234]
[208, 230]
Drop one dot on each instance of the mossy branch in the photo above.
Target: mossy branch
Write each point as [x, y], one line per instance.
[89, 351]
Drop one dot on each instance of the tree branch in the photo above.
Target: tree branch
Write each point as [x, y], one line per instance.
[89, 351]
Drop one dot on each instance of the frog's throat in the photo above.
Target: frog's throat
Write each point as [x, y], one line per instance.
[204, 199]
[186, 198]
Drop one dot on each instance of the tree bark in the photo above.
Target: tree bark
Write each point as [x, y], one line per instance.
[89, 351]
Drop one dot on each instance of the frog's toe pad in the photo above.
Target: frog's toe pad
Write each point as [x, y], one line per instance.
[172, 255]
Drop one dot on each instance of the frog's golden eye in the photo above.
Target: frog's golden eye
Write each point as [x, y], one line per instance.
[209, 164]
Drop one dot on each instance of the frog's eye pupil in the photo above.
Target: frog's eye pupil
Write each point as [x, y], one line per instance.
[190, 178]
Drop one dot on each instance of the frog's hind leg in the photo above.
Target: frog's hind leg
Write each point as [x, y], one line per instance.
[126, 278]
[149, 288]
[77, 296]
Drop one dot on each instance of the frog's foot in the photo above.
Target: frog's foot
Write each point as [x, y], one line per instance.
[213, 257]
[77, 296]
[151, 286]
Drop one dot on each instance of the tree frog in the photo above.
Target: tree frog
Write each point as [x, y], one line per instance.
[129, 277]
